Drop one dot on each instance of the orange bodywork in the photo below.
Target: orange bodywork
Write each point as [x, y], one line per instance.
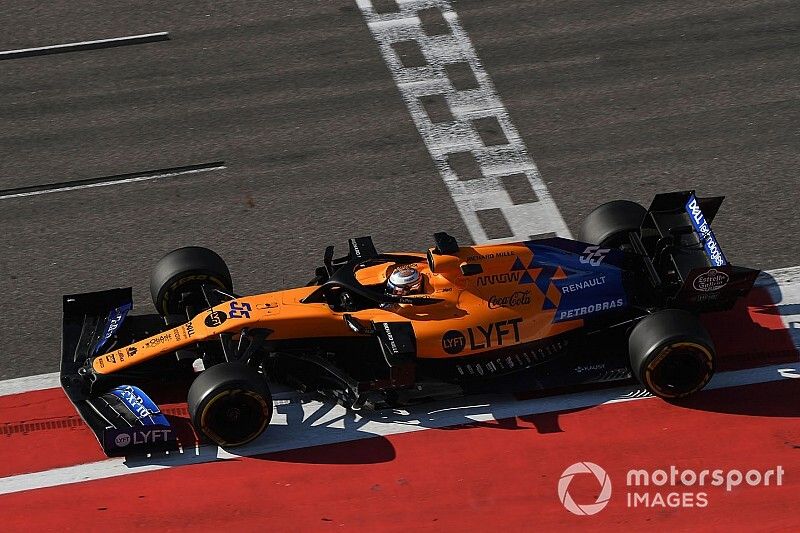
[477, 313]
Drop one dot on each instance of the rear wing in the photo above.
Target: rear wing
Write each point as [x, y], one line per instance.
[687, 259]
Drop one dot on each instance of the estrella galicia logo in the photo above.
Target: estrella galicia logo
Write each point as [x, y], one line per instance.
[711, 280]
[594, 255]
[453, 341]
[216, 318]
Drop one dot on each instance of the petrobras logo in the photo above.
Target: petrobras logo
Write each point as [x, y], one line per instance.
[578, 312]
[703, 229]
[584, 509]
[710, 281]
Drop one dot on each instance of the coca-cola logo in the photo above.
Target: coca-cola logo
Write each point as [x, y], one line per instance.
[513, 300]
[710, 281]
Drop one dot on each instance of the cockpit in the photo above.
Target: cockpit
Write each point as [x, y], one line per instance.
[366, 279]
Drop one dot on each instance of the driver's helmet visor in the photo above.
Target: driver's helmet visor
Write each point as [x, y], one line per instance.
[404, 280]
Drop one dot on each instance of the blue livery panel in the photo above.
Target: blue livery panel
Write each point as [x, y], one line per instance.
[589, 294]
[145, 409]
[155, 430]
[703, 229]
[112, 323]
[593, 282]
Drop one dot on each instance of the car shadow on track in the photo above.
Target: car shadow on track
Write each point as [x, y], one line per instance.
[763, 330]
[754, 333]
[772, 399]
[306, 430]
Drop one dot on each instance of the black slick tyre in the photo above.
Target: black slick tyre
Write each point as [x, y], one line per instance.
[230, 403]
[176, 280]
[609, 223]
[671, 353]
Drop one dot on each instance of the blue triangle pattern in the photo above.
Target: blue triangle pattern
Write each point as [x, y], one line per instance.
[526, 279]
[543, 280]
[517, 265]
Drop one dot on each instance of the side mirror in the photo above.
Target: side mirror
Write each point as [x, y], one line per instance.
[471, 269]
[355, 325]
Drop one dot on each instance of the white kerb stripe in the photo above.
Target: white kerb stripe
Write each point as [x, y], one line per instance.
[299, 423]
[29, 383]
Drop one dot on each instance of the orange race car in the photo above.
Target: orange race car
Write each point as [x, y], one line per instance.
[375, 330]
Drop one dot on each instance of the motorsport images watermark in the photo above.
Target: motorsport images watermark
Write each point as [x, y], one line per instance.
[667, 488]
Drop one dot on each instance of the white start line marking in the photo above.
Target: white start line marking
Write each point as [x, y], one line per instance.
[472, 128]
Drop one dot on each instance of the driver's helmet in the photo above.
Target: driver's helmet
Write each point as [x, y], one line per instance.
[404, 280]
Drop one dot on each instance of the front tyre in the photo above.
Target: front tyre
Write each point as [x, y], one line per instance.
[671, 353]
[230, 403]
[177, 279]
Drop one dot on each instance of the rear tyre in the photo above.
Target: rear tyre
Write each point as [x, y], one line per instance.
[609, 224]
[176, 280]
[230, 403]
[671, 353]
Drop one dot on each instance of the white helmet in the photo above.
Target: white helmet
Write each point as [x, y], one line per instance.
[404, 280]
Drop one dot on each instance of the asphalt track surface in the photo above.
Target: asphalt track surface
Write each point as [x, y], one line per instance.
[614, 100]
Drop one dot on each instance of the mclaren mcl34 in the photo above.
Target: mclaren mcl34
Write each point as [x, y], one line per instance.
[391, 329]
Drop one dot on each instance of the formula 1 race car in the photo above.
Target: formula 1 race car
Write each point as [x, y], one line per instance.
[391, 329]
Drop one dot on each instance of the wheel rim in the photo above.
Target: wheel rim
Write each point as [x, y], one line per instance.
[235, 417]
[679, 369]
[191, 284]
